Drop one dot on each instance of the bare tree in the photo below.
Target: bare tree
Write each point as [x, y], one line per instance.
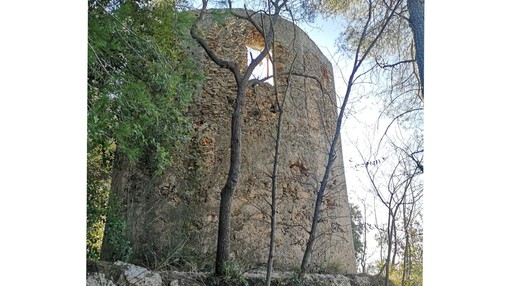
[398, 53]
[364, 254]
[396, 184]
[365, 45]
[242, 83]
[409, 211]
[394, 82]
[280, 102]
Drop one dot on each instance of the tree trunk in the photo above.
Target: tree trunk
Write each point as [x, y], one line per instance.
[395, 242]
[416, 19]
[406, 257]
[364, 254]
[227, 193]
[242, 81]
[325, 178]
[131, 186]
[273, 200]
[358, 60]
[274, 175]
[107, 248]
[390, 242]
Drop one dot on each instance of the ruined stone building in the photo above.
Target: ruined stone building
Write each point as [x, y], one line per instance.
[175, 217]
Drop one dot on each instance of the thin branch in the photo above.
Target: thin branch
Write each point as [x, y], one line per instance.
[384, 66]
[394, 119]
[232, 66]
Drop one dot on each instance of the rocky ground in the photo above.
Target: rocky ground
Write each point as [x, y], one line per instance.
[100, 273]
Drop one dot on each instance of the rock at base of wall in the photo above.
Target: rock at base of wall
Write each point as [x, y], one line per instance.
[100, 273]
[99, 279]
[120, 274]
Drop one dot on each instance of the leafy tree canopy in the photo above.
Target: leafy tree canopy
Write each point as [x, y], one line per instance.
[140, 80]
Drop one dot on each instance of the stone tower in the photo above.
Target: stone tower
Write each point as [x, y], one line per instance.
[174, 218]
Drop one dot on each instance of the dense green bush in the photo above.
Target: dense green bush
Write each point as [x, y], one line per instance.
[140, 82]
[98, 188]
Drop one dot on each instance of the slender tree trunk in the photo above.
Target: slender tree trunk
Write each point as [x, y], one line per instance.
[325, 178]
[273, 197]
[364, 253]
[390, 242]
[416, 19]
[116, 186]
[274, 175]
[227, 193]
[395, 242]
[406, 248]
[242, 82]
[388, 264]
[223, 243]
[358, 60]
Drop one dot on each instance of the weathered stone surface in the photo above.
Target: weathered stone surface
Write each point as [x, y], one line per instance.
[289, 278]
[99, 277]
[173, 219]
[135, 275]
[120, 274]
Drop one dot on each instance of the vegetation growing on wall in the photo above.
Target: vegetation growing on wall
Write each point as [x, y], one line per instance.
[116, 225]
[140, 82]
[98, 188]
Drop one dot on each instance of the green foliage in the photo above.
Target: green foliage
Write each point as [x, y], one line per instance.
[413, 266]
[414, 278]
[220, 16]
[331, 268]
[181, 252]
[234, 271]
[98, 188]
[357, 231]
[294, 279]
[140, 80]
[333, 7]
[117, 233]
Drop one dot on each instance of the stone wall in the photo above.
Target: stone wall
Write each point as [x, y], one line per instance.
[123, 274]
[179, 212]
